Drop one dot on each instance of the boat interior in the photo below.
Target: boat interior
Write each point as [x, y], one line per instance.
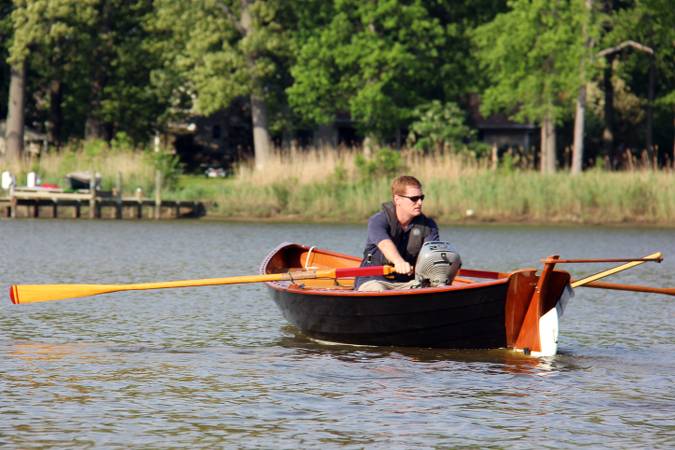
[296, 257]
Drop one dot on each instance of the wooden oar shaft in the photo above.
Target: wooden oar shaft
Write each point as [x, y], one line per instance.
[612, 271]
[657, 259]
[31, 293]
[631, 287]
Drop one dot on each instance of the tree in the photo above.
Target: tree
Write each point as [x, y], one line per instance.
[27, 26]
[531, 54]
[438, 127]
[57, 38]
[44, 35]
[227, 49]
[646, 27]
[121, 95]
[376, 60]
[15, 111]
[6, 31]
[589, 33]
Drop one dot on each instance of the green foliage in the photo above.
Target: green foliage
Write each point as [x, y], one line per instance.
[339, 176]
[124, 97]
[386, 162]
[479, 150]
[507, 164]
[532, 54]
[282, 193]
[133, 66]
[439, 126]
[121, 142]
[650, 23]
[220, 55]
[6, 31]
[376, 60]
[94, 149]
[168, 165]
[90, 61]
[529, 197]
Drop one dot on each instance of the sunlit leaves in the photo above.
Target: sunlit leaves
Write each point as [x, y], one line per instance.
[531, 54]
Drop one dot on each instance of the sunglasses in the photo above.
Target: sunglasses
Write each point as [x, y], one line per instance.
[414, 198]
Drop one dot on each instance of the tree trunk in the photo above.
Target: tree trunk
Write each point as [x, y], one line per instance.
[55, 112]
[262, 143]
[95, 126]
[608, 131]
[578, 149]
[548, 149]
[15, 112]
[579, 119]
[93, 129]
[650, 114]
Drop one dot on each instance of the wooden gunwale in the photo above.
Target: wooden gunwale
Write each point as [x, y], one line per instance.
[328, 292]
[309, 255]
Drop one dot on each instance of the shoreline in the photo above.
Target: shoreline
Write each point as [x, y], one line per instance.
[292, 219]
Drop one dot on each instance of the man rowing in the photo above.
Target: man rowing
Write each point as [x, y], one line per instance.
[396, 235]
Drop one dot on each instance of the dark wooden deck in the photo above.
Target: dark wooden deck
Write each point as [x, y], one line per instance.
[54, 203]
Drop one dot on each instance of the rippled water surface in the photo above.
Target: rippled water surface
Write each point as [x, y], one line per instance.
[218, 366]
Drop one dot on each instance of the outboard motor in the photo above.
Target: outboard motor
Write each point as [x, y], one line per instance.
[437, 264]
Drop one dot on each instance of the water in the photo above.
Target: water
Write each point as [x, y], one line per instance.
[218, 366]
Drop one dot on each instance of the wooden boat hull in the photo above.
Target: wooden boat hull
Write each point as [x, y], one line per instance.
[465, 319]
[486, 313]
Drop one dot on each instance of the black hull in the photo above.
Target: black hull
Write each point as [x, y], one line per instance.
[448, 318]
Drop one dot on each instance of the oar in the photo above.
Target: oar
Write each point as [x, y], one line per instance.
[656, 257]
[32, 293]
[631, 287]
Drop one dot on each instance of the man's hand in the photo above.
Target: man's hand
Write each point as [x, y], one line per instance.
[403, 267]
[390, 252]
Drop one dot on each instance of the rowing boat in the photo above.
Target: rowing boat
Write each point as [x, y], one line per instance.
[314, 289]
[518, 310]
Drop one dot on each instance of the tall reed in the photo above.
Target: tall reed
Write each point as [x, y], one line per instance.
[324, 185]
[136, 166]
[330, 184]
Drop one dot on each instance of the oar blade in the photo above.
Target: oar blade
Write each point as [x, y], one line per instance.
[656, 257]
[33, 293]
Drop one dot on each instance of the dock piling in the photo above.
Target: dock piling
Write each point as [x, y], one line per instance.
[92, 196]
[158, 195]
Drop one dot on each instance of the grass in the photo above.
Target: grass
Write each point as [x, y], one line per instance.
[332, 185]
[135, 166]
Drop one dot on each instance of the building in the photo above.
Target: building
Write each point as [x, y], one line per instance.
[499, 131]
[34, 141]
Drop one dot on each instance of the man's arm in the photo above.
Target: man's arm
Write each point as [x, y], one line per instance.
[390, 252]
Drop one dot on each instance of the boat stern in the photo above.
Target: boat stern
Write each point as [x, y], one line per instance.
[534, 306]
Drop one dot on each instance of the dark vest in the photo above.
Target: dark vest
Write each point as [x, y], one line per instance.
[419, 229]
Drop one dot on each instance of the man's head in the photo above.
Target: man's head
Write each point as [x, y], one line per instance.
[407, 196]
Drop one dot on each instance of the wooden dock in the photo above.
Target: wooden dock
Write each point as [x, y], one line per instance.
[55, 203]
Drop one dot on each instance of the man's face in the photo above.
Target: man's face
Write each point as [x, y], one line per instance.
[411, 207]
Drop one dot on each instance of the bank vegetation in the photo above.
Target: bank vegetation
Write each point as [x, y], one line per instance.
[347, 185]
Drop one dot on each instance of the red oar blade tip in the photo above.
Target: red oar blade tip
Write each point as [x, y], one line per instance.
[13, 295]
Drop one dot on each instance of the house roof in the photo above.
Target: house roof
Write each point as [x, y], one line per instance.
[497, 121]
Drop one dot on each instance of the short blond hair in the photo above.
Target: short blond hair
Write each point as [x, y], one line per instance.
[399, 185]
